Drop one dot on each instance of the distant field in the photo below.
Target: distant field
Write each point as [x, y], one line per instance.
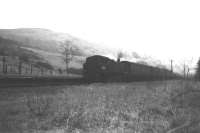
[139, 107]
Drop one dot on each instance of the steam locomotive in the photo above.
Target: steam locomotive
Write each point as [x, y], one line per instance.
[100, 68]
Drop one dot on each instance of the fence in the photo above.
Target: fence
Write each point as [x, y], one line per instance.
[14, 66]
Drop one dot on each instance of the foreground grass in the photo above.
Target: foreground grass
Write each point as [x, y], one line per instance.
[141, 107]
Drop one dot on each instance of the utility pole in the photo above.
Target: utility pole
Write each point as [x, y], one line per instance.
[184, 70]
[171, 66]
[188, 71]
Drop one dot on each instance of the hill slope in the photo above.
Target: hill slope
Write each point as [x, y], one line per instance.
[48, 45]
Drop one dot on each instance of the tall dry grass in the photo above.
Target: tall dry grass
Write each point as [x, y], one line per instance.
[142, 107]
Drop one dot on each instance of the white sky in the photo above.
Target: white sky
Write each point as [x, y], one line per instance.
[165, 29]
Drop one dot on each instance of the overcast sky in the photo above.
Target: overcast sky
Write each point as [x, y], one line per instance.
[165, 29]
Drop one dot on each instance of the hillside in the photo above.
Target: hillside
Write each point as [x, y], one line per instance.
[47, 45]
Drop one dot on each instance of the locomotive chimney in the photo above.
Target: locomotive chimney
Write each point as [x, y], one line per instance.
[118, 60]
[119, 56]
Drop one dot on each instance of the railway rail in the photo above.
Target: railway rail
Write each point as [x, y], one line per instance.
[26, 81]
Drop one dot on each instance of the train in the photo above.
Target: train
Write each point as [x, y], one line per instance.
[101, 68]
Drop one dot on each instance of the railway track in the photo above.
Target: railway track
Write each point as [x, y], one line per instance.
[26, 81]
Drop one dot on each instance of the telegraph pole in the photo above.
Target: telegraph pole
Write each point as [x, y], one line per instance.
[188, 72]
[171, 66]
[184, 70]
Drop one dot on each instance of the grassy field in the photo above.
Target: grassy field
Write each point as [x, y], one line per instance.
[139, 107]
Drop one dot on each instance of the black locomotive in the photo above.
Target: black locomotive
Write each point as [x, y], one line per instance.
[100, 68]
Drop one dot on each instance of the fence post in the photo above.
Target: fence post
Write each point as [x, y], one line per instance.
[42, 71]
[31, 69]
[4, 65]
[51, 72]
[26, 69]
[20, 67]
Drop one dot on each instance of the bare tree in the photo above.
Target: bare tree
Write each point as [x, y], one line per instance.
[68, 54]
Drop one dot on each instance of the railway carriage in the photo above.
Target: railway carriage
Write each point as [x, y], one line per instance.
[100, 68]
